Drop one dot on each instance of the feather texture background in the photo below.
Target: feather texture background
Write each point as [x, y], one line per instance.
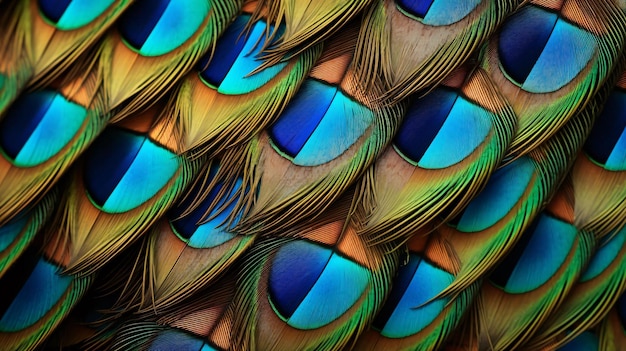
[312, 175]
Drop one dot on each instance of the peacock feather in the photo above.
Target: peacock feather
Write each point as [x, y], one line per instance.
[313, 175]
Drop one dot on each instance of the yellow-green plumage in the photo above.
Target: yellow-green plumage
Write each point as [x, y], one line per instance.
[312, 175]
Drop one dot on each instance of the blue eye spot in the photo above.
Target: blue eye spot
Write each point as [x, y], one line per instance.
[157, 27]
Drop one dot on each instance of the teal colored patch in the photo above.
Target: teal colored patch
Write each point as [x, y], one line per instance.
[150, 171]
[464, 130]
[446, 12]
[339, 286]
[414, 312]
[38, 295]
[11, 230]
[238, 80]
[503, 190]
[547, 250]
[58, 126]
[586, 341]
[566, 53]
[343, 124]
[617, 159]
[605, 255]
[179, 22]
[213, 233]
[206, 347]
[80, 13]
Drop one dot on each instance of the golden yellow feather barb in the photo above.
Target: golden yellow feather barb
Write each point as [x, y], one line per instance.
[201, 322]
[549, 58]
[415, 45]
[429, 167]
[39, 39]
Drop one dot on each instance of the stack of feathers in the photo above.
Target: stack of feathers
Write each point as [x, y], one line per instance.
[313, 175]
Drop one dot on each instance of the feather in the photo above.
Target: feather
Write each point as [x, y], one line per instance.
[101, 214]
[427, 166]
[240, 99]
[41, 38]
[598, 288]
[443, 34]
[415, 317]
[553, 70]
[194, 244]
[612, 327]
[312, 175]
[38, 294]
[151, 47]
[321, 152]
[314, 292]
[41, 135]
[532, 281]
[204, 323]
[306, 22]
[17, 234]
[598, 173]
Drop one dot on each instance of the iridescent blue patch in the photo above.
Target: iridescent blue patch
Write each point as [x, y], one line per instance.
[176, 339]
[610, 247]
[38, 126]
[73, 14]
[157, 27]
[429, 135]
[195, 229]
[541, 52]
[41, 291]
[12, 229]
[123, 170]
[409, 308]
[319, 124]
[437, 12]
[586, 341]
[542, 250]
[503, 190]
[310, 286]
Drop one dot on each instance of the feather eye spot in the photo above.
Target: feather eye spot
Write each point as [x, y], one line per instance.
[437, 12]
[429, 134]
[30, 305]
[310, 285]
[123, 170]
[541, 52]
[157, 27]
[586, 341]
[72, 14]
[319, 125]
[504, 189]
[237, 54]
[610, 248]
[606, 144]
[538, 255]
[409, 308]
[200, 229]
[38, 126]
